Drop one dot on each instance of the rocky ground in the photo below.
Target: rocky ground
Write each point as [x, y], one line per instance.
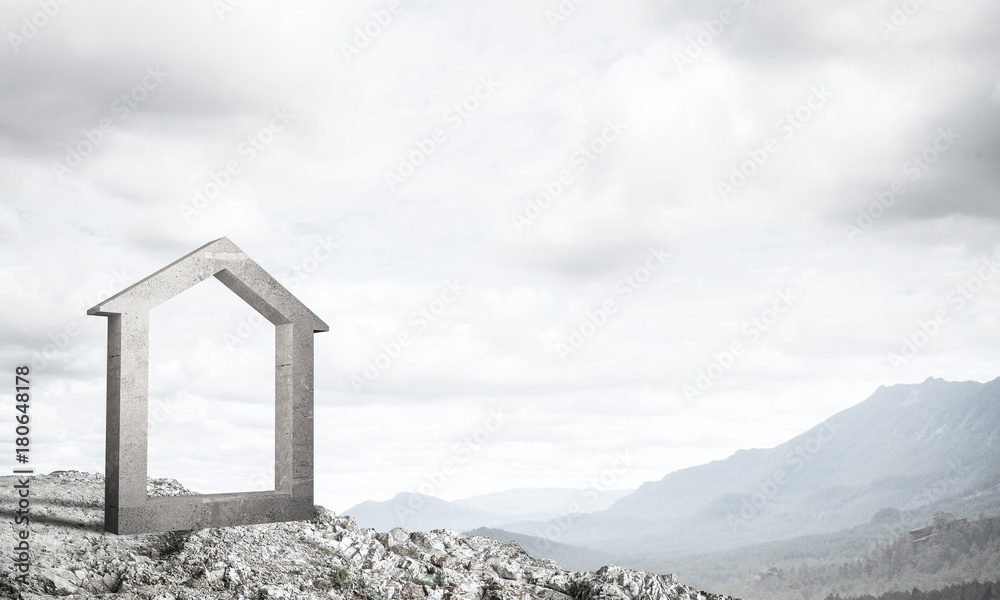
[327, 557]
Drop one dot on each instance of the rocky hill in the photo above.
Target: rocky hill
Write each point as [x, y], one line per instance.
[327, 557]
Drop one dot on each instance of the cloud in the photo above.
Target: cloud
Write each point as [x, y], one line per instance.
[837, 105]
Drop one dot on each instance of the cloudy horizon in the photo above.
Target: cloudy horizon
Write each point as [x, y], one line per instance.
[666, 229]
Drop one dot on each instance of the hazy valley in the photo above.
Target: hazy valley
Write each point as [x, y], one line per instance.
[854, 484]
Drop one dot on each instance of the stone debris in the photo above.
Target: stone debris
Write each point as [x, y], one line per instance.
[327, 557]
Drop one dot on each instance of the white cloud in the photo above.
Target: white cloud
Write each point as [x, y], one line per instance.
[62, 243]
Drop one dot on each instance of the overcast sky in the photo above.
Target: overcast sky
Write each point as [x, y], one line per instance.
[658, 230]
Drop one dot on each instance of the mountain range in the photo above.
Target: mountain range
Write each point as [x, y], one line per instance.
[905, 447]
[416, 512]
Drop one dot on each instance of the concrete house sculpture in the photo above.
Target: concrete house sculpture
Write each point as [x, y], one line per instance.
[127, 508]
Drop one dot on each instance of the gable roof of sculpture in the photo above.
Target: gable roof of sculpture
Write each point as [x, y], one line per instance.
[230, 265]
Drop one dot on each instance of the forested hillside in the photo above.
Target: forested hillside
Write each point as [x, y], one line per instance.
[947, 551]
[974, 590]
[718, 570]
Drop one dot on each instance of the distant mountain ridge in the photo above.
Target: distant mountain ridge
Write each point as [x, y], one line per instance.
[552, 501]
[904, 447]
[417, 512]
[907, 446]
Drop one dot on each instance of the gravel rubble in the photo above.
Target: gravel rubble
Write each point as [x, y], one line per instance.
[327, 557]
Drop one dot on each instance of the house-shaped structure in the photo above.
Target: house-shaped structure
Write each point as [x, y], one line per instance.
[127, 508]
